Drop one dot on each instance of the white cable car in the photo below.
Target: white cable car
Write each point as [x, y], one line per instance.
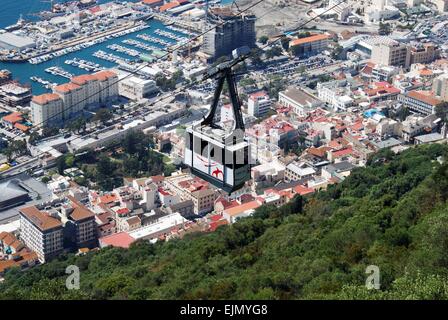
[216, 155]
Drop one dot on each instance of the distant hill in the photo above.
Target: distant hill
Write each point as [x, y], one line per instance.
[391, 214]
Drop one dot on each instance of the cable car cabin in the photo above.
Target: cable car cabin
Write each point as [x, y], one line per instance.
[217, 156]
[214, 154]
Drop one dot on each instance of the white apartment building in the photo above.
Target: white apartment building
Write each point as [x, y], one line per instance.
[297, 171]
[46, 108]
[335, 93]
[70, 98]
[422, 102]
[258, 104]
[300, 101]
[41, 233]
[135, 88]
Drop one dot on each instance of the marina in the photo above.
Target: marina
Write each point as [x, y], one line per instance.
[84, 65]
[140, 45]
[169, 35]
[121, 49]
[80, 56]
[154, 40]
[110, 57]
[57, 71]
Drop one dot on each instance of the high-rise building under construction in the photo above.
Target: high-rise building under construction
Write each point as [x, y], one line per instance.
[237, 31]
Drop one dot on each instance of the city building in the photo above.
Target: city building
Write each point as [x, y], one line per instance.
[311, 45]
[422, 102]
[70, 99]
[12, 194]
[391, 54]
[41, 233]
[300, 101]
[335, 93]
[5, 76]
[440, 87]
[298, 171]
[46, 108]
[15, 95]
[442, 5]
[258, 104]
[424, 53]
[81, 224]
[238, 31]
[194, 189]
[135, 88]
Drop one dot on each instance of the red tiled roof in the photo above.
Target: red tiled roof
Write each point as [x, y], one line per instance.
[121, 239]
[41, 220]
[242, 208]
[46, 98]
[108, 198]
[66, 87]
[21, 127]
[302, 190]
[317, 37]
[152, 1]
[169, 5]
[13, 117]
[424, 96]
[343, 152]
[214, 225]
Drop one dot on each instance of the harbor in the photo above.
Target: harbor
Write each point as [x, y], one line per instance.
[144, 36]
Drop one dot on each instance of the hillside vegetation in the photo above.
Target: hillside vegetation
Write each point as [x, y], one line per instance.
[392, 214]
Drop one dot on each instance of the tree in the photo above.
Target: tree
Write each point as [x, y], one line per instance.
[336, 52]
[384, 29]
[255, 57]
[441, 111]
[285, 43]
[77, 125]
[49, 131]
[263, 39]
[274, 52]
[102, 115]
[296, 50]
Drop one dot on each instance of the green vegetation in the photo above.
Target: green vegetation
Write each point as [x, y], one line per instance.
[14, 148]
[384, 29]
[392, 214]
[168, 84]
[130, 157]
[263, 39]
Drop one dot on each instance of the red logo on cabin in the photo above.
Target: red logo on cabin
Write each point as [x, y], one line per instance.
[216, 172]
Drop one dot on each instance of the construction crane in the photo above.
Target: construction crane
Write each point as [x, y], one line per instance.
[213, 153]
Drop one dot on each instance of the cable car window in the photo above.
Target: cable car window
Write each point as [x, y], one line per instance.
[216, 153]
[189, 141]
[228, 159]
[241, 158]
[197, 145]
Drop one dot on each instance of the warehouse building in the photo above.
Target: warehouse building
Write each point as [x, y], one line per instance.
[10, 41]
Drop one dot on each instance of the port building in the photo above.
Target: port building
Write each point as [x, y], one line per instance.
[10, 41]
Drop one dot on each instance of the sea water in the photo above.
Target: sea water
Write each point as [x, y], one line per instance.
[10, 13]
